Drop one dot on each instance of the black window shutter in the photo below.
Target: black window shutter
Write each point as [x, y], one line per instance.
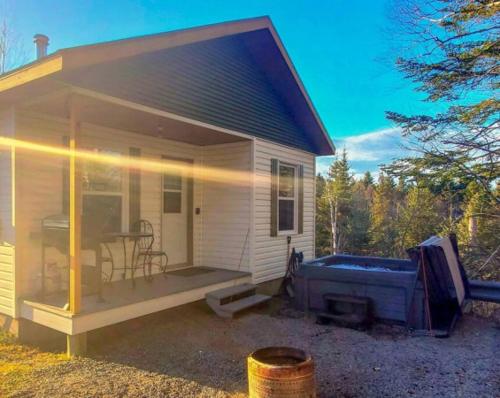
[134, 186]
[65, 178]
[274, 197]
[300, 204]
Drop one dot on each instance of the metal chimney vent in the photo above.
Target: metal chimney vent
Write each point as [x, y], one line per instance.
[41, 42]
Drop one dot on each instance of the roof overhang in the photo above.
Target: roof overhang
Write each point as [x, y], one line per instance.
[18, 84]
[118, 114]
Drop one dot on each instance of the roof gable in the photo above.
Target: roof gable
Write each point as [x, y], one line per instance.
[215, 81]
[236, 75]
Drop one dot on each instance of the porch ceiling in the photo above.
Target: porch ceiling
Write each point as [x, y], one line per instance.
[137, 119]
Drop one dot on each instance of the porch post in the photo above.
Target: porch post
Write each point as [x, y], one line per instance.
[75, 208]
[76, 345]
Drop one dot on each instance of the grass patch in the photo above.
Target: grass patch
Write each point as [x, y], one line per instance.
[18, 362]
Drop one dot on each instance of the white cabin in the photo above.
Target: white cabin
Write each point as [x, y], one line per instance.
[207, 134]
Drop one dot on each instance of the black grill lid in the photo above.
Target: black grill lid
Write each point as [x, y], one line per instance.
[56, 221]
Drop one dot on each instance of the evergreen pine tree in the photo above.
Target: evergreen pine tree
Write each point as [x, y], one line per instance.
[454, 60]
[323, 245]
[417, 220]
[358, 241]
[479, 233]
[367, 179]
[382, 216]
[338, 194]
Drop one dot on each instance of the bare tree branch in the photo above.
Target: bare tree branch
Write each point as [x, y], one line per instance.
[12, 51]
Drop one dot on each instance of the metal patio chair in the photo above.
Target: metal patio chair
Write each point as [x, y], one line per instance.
[107, 258]
[146, 257]
[96, 240]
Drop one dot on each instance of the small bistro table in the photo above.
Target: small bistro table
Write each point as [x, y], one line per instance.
[124, 237]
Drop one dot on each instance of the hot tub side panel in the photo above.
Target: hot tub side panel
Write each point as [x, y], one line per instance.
[390, 292]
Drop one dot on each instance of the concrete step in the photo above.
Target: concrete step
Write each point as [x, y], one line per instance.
[229, 294]
[229, 310]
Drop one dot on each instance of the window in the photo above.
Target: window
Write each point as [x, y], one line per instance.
[102, 195]
[172, 193]
[287, 198]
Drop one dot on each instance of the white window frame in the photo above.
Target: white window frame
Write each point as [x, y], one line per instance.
[295, 199]
[163, 190]
[123, 193]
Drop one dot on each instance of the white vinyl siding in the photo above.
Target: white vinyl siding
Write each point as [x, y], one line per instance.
[6, 179]
[41, 183]
[270, 253]
[229, 229]
[226, 206]
[38, 195]
[7, 232]
[151, 148]
[219, 243]
[7, 292]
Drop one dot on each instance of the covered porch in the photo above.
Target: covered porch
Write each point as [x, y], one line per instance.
[102, 165]
[123, 301]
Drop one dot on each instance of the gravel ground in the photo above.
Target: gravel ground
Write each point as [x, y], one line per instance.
[189, 352]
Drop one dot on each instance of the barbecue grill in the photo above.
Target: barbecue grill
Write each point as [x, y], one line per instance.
[55, 233]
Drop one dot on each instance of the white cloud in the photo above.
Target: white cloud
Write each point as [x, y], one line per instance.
[366, 152]
[372, 146]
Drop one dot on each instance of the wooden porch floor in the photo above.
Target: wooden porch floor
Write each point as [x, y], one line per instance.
[122, 301]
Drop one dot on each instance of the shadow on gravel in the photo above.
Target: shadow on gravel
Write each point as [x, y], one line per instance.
[187, 342]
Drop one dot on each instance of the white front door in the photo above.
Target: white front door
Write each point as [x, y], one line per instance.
[175, 216]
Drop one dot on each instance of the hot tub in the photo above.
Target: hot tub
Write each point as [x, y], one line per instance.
[388, 283]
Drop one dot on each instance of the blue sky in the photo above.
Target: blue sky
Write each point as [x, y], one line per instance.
[339, 48]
